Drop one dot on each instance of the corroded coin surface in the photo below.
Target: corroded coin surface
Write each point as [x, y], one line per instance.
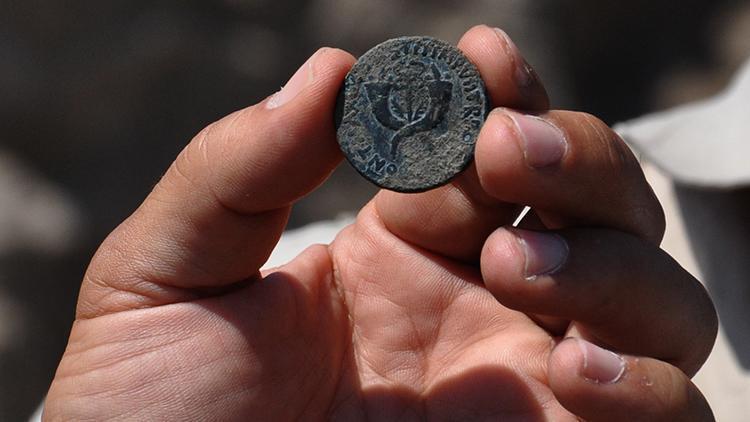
[410, 112]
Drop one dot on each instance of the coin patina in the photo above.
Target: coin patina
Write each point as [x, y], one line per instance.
[409, 113]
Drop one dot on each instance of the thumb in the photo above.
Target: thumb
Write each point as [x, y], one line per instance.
[219, 210]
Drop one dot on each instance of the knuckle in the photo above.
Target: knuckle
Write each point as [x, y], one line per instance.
[209, 162]
[185, 172]
[614, 152]
[622, 170]
[192, 163]
[677, 392]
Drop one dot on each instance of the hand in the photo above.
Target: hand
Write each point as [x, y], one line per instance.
[429, 306]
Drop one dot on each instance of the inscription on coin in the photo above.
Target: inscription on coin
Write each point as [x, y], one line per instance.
[410, 112]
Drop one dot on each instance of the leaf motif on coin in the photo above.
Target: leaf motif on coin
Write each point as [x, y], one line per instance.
[410, 112]
[408, 109]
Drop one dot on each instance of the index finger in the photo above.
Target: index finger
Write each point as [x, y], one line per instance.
[217, 213]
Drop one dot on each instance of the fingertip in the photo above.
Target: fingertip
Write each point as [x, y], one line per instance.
[324, 70]
[576, 393]
[509, 79]
[480, 41]
[295, 135]
[345, 56]
[575, 360]
[498, 156]
[475, 29]
[591, 395]
[514, 146]
[565, 363]
[597, 384]
[501, 253]
[502, 266]
[519, 267]
[333, 60]
[312, 266]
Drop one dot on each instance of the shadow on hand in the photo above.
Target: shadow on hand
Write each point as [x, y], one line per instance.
[479, 393]
[301, 347]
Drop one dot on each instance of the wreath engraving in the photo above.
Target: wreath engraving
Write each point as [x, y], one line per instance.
[410, 108]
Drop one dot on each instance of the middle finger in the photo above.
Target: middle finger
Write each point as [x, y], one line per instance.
[622, 291]
[570, 168]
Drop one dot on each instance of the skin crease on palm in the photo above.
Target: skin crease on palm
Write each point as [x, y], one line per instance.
[419, 310]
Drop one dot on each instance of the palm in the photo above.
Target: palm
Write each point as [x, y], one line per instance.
[428, 338]
[391, 332]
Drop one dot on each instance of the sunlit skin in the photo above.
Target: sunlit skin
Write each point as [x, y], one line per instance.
[421, 309]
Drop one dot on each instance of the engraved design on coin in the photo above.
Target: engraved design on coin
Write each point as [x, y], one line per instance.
[408, 109]
[409, 113]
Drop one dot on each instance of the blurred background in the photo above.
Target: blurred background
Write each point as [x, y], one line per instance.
[97, 98]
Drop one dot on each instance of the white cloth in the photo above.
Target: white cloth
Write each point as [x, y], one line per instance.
[706, 143]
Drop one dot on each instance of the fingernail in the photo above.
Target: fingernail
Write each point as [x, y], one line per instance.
[600, 365]
[545, 253]
[525, 77]
[542, 142]
[298, 81]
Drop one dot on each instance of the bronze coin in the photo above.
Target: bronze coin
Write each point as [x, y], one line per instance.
[409, 113]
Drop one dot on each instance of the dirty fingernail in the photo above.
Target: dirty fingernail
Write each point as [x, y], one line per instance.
[600, 365]
[543, 143]
[545, 253]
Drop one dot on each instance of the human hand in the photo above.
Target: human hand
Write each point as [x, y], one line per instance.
[427, 307]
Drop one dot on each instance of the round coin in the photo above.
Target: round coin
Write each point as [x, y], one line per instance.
[409, 113]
